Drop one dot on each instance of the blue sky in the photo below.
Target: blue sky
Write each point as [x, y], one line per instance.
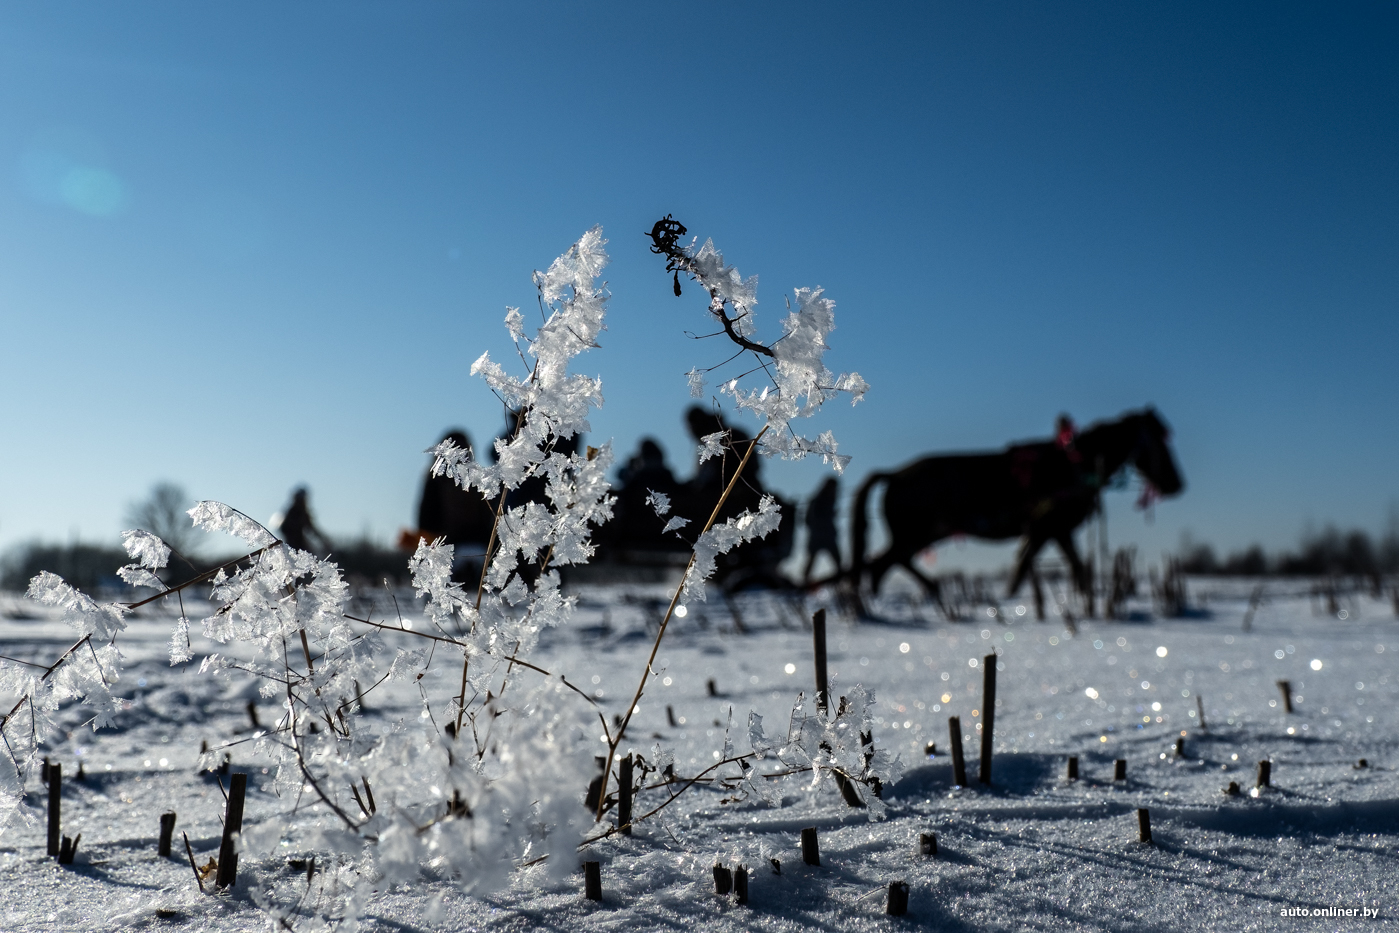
[248, 246]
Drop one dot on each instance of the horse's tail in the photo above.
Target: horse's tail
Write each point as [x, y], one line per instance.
[859, 527]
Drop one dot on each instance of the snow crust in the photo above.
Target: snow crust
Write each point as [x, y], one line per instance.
[1032, 851]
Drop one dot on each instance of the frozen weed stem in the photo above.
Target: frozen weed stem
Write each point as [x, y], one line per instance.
[499, 791]
[795, 384]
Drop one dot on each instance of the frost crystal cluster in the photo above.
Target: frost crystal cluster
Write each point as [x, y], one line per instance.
[486, 778]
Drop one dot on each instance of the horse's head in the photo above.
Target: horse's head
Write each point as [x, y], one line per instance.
[1152, 455]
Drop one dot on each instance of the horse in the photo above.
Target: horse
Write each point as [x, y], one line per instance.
[1038, 492]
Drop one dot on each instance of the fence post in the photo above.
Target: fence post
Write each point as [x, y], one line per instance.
[959, 763]
[818, 637]
[232, 825]
[988, 713]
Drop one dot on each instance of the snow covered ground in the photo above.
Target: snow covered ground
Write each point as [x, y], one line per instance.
[1032, 851]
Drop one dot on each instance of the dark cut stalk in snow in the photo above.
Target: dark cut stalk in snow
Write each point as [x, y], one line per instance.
[897, 904]
[232, 825]
[988, 713]
[616, 740]
[811, 848]
[68, 850]
[1119, 769]
[592, 881]
[1180, 746]
[167, 830]
[927, 844]
[1265, 774]
[55, 804]
[723, 880]
[741, 885]
[1286, 687]
[959, 763]
[1144, 825]
[624, 795]
[818, 638]
[1200, 709]
[1072, 773]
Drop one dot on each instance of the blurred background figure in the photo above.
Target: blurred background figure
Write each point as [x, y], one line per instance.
[821, 527]
[297, 526]
[635, 531]
[460, 516]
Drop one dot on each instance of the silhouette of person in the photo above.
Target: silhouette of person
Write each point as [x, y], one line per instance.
[462, 517]
[821, 526]
[635, 526]
[1064, 434]
[447, 511]
[713, 475]
[297, 525]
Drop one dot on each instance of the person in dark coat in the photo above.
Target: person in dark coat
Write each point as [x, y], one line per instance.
[297, 525]
[821, 526]
[636, 530]
[755, 562]
[462, 517]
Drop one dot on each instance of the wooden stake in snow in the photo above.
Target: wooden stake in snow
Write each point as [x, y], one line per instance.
[897, 905]
[959, 764]
[624, 795]
[68, 849]
[1265, 774]
[592, 881]
[927, 844]
[741, 885]
[988, 712]
[1119, 770]
[818, 637]
[1073, 768]
[723, 880]
[167, 831]
[811, 849]
[232, 825]
[1144, 825]
[55, 803]
[1286, 687]
[1200, 708]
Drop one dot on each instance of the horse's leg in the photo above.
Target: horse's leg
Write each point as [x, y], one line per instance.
[878, 567]
[1028, 549]
[933, 588]
[1065, 541]
[1039, 593]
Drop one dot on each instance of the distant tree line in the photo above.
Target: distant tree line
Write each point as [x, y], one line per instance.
[1330, 552]
[94, 568]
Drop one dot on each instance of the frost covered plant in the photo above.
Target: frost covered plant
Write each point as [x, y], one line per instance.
[840, 748]
[795, 379]
[481, 781]
[797, 383]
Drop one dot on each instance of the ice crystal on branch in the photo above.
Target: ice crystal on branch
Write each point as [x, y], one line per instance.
[797, 380]
[658, 501]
